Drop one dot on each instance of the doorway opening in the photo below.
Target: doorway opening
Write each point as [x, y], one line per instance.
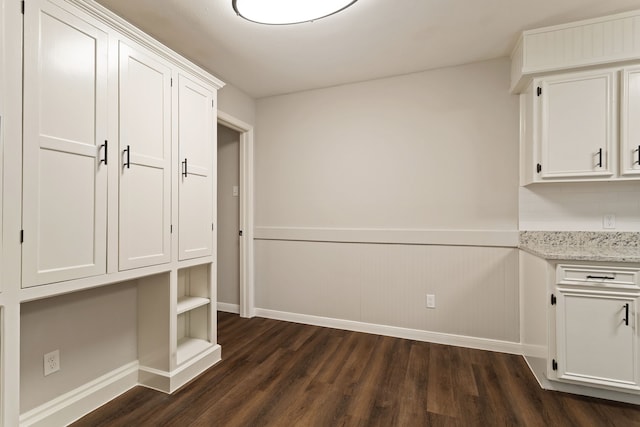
[234, 255]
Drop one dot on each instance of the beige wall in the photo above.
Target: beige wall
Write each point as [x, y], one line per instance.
[228, 216]
[237, 104]
[436, 150]
[432, 150]
[95, 331]
[580, 206]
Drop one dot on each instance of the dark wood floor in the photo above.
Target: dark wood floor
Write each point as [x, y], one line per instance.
[283, 374]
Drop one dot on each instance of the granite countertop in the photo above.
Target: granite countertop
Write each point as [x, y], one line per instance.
[582, 245]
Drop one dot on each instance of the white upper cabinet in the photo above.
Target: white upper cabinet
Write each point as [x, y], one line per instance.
[145, 158]
[577, 124]
[630, 122]
[65, 149]
[196, 138]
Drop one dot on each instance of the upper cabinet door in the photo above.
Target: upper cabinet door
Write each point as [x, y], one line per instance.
[145, 161]
[196, 138]
[65, 167]
[578, 124]
[630, 122]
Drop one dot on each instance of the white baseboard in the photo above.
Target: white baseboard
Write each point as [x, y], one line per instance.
[531, 350]
[394, 331]
[75, 404]
[229, 308]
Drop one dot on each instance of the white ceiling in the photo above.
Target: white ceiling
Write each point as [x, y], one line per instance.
[369, 40]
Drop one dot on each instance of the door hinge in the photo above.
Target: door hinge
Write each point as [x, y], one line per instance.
[554, 300]
[240, 233]
[211, 226]
[21, 236]
[212, 103]
[539, 91]
[538, 168]
[554, 365]
[22, 7]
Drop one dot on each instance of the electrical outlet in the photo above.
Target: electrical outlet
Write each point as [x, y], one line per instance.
[609, 221]
[51, 362]
[431, 301]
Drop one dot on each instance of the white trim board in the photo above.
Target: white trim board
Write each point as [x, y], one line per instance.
[394, 331]
[75, 404]
[229, 308]
[493, 238]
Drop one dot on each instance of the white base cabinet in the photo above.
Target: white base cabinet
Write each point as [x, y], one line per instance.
[596, 326]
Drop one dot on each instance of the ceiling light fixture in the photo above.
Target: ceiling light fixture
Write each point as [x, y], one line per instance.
[283, 12]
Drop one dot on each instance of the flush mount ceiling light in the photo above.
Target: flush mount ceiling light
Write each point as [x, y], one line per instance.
[282, 12]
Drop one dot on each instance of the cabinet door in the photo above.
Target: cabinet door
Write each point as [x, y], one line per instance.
[64, 166]
[577, 128]
[597, 339]
[630, 122]
[145, 161]
[196, 138]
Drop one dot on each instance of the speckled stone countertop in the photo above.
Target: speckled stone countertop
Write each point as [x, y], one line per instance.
[582, 245]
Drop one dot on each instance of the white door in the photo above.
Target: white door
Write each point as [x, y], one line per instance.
[630, 122]
[196, 139]
[145, 159]
[65, 167]
[597, 339]
[577, 124]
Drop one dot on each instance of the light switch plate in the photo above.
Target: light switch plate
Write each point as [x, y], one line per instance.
[235, 191]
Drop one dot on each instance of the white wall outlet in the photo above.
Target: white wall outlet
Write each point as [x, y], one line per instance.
[431, 301]
[51, 362]
[609, 221]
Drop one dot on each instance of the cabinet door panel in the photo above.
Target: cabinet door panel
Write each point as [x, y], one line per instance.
[196, 136]
[145, 142]
[630, 122]
[594, 343]
[64, 179]
[578, 126]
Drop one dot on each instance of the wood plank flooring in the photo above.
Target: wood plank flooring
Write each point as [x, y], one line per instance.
[284, 374]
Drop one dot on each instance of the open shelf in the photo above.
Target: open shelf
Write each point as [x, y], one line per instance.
[190, 347]
[187, 303]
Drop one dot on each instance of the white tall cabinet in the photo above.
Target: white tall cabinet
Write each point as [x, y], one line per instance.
[112, 165]
[65, 146]
[144, 98]
[196, 124]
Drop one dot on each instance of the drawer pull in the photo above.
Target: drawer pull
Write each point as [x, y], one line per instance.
[626, 314]
[599, 154]
[601, 277]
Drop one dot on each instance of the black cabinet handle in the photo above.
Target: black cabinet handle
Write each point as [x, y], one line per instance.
[638, 151]
[105, 146]
[127, 164]
[599, 164]
[601, 277]
[184, 168]
[626, 314]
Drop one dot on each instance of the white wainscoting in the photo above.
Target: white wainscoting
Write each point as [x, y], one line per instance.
[475, 287]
